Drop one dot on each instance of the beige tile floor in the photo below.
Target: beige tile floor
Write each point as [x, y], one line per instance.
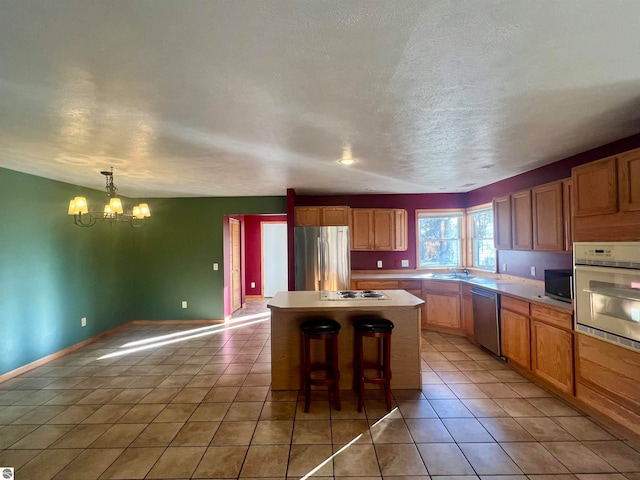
[200, 407]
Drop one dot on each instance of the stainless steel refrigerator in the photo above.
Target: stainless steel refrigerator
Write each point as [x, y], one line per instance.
[322, 258]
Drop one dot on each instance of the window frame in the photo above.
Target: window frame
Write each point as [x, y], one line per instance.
[463, 227]
[469, 245]
[466, 235]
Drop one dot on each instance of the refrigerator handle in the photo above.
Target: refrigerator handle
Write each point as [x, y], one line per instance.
[320, 265]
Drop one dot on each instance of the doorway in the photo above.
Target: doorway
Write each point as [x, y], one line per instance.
[235, 279]
[275, 276]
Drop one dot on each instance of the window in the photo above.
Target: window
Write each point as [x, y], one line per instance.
[440, 238]
[483, 253]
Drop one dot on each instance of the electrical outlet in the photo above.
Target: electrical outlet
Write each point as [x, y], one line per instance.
[184, 304]
[404, 263]
[379, 263]
[253, 284]
[83, 322]
[215, 266]
[533, 271]
[504, 267]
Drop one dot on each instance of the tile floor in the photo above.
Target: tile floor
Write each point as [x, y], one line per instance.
[200, 407]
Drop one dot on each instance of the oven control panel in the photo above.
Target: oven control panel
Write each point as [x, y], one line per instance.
[623, 254]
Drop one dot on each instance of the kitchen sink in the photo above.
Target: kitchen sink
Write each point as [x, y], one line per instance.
[450, 276]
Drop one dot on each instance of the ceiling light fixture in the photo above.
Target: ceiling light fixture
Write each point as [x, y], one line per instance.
[112, 211]
[347, 158]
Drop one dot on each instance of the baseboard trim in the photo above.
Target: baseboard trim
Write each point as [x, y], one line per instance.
[176, 322]
[65, 351]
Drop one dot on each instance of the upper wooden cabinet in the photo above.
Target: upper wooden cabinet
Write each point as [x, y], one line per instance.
[535, 219]
[378, 229]
[629, 181]
[502, 222]
[521, 221]
[361, 229]
[548, 218]
[606, 199]
[321, 216]
[595, 188]
[567, 213]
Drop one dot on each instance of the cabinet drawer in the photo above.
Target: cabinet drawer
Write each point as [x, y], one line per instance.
[552, 316]
[438, 286]
[410, 284]
[377, 285]
[515, 305]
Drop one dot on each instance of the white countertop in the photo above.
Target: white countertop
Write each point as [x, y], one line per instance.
[525, 291]
[311, 301]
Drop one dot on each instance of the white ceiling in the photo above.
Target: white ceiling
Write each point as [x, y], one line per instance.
[250, 97]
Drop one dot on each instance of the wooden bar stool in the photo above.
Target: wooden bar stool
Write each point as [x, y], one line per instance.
[326, 330]
[380, 329]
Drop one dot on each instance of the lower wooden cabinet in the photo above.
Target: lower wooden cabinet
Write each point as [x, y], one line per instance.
[442, 306]
[608, 379]
[467, 311]
[516, 339]
[552, 355]
[442, 310]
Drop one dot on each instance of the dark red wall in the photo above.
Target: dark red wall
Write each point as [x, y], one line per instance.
[519, 263]
[253, 250]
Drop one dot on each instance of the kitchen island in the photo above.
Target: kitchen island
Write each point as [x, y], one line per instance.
[290, 309]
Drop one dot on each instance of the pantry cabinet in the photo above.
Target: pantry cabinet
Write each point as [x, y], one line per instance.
[321, 216]
[382, 229]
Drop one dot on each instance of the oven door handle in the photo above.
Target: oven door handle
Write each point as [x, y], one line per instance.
[611, 294]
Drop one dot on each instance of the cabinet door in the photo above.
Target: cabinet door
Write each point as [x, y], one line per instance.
[361, 229]
[516, 339]
[502, 222]
[467, 315]
[400, 242]
[383, 229]
[567, 213]
[629, 181]
[334, 216]
[442, 310]
[548, 221]
[595, 188]
[522, 236]
[307, 216]
[552, 357]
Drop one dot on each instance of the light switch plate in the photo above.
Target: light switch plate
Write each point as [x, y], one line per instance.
[404, 263]
[533, 271]
[379, 263]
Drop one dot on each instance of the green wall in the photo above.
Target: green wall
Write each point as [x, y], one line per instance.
[176, 252]
[52, 272]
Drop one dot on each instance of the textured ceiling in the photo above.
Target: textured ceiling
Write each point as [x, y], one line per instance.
[250, 97]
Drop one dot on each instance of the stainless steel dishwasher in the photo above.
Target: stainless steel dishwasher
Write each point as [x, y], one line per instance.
[486, 319]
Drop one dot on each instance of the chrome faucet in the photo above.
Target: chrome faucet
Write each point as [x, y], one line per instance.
[454, 272]
[466, 271]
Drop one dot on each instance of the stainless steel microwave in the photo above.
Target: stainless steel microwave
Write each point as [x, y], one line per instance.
[558, 284]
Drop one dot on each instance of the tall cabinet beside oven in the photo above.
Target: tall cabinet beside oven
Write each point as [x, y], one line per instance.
[607, 302]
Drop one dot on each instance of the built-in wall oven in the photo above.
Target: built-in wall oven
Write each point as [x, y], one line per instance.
[607, 291]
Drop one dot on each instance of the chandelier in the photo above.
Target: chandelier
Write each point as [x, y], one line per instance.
[112, 212]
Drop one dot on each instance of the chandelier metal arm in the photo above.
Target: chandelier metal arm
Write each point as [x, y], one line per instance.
[113, 211]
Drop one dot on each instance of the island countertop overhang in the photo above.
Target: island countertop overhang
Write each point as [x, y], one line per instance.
[309, 301]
